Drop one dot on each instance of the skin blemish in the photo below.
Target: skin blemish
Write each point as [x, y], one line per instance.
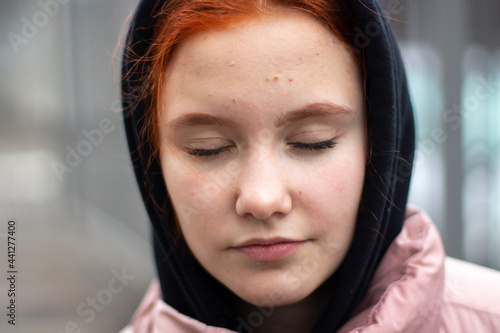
[267, 79]
[234, 101]
[232, 63]
[276, 78]
[290, 79]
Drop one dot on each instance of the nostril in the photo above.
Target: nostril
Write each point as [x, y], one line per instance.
[262, 186]
[262, 205]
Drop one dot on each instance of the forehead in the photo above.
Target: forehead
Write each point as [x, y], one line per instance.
[261, 62]
[264, 33]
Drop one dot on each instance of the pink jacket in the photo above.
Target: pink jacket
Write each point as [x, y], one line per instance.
[415, 289]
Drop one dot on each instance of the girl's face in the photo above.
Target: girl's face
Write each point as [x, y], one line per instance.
[264, 154]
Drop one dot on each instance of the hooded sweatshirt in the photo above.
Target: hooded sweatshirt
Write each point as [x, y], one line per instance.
[187, 290]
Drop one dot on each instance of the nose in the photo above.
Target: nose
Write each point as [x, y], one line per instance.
[262, 189]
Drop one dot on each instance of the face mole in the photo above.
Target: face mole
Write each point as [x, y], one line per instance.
[234, 101]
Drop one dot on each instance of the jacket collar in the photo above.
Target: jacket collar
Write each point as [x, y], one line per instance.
[406, 292]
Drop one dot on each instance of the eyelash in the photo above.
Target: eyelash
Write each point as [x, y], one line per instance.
[208, 153]
[313, 146]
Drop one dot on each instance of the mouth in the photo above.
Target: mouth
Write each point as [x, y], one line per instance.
[269, 249]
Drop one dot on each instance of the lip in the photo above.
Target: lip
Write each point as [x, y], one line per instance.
[268, 249]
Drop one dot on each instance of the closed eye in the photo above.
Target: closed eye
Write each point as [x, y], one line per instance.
[309, 146]
[314, 146]
[208, 153]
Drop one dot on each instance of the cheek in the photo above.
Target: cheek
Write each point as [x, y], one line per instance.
[349, 179]
[184, 188]
[337, 185]
[332, 195]
[199, 201]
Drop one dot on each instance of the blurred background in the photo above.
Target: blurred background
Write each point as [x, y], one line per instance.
[66, 178]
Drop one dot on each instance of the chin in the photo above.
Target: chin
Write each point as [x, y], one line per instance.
[285, 291]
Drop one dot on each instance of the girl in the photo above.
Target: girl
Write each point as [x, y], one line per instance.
[272, 142]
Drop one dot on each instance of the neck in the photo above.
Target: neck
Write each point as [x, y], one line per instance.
[294, 318]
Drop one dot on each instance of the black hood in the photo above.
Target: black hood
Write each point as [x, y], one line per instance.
[185, 284]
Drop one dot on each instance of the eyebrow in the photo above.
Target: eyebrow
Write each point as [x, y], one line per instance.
[310, 110]
[313, 110]
[200, 119]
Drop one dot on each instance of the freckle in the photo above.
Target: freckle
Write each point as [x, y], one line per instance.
[276, 78]
[300, 192]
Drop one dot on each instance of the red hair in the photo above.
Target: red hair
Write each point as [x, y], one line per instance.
[177, 20]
